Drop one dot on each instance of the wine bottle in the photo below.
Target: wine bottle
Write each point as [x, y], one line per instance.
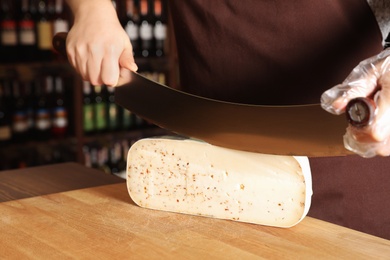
[27, 36]
[115, 157]
[127, 119]
[88, 108]
[19, 114]
[112, 110]
[146, 29]
[43, 108]
[60, 113]
[103, 158]
[60, 22]
[123, 158]
[5, 118]
[8, 27]
[44, 30]
[160, 28]
[29, 99]
[132, 26]
[87, 156]
[100, 109]
[94, 155]
[33, 7]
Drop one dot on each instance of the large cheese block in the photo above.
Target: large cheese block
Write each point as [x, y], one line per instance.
[194, 177]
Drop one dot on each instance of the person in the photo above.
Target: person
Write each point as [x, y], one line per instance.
[273, 53]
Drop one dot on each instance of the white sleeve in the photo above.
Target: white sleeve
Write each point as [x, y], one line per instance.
[381, 10]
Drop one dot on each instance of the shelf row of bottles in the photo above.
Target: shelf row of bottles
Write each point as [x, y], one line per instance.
[145, 22]
[109, 153]
[108, 156]
[101, 113]
[27, 28]
[36, 109]
[42, 109]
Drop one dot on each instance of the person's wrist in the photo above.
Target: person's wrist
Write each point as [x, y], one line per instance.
[101, 8]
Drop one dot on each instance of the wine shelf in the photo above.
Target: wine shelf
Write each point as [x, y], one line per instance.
[21, 19]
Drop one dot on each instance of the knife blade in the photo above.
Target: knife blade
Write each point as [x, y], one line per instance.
[305, 130]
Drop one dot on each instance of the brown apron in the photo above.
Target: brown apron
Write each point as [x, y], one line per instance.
[271, 52]
[289, 52]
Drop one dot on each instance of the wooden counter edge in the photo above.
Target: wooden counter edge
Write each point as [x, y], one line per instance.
[48, 179]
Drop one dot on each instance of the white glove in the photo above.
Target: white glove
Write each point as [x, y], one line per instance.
[371, 78]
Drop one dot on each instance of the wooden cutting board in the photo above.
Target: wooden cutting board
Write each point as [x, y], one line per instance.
[103, 223]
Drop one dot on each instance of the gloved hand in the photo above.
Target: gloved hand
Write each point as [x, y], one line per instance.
[370, 76]
[97, 45]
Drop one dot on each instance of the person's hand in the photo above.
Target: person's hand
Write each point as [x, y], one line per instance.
[370, 76]
[98, 47]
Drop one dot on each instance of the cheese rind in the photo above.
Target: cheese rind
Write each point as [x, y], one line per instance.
[194, 177]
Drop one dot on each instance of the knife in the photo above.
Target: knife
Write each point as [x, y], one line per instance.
[305, 130]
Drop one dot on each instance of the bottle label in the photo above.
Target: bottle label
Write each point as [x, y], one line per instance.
[60, 26]
[113, 115]
[101, 121]
[146, 31]
[20, 122]
[27, 34]
[8, 33]
[88, 122]
[44, 35]
[160, 31]
[5, 133]
[132, 30]
[60, 118]
[42, 120]
[27, 37]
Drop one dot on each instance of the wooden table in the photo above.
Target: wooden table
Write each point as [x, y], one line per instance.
[102, 222]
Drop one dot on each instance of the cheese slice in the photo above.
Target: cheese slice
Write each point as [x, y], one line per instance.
[194, 177]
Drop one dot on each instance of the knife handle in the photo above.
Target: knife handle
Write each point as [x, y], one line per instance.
[59, 43]
[360, 111]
